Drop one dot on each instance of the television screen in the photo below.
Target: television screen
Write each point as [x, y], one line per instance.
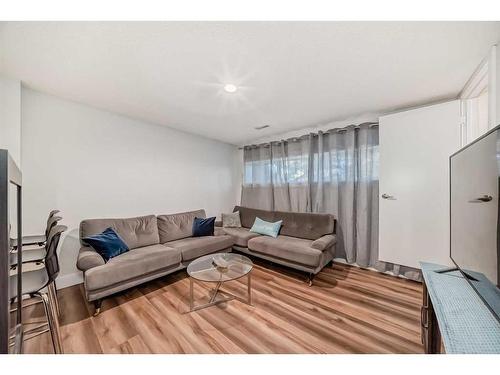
[475, 216]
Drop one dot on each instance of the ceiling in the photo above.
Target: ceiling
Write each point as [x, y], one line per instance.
[290, 75]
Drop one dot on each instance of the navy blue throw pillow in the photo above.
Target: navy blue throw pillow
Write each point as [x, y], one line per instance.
[108, 244]
[203, 227]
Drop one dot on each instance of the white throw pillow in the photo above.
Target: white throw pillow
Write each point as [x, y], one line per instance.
[231, 220]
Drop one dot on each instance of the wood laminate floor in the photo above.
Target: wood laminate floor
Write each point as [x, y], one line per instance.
[347, 310]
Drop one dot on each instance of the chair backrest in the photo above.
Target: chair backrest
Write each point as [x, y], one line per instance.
[51, 223]
[51, 259]
[53, 212]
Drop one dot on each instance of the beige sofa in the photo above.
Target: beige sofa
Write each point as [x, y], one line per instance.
[158, 245]
[306, 241]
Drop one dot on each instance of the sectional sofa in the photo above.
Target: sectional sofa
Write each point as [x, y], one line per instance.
[160, 245]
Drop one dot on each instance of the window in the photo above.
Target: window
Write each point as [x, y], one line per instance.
[333, 167]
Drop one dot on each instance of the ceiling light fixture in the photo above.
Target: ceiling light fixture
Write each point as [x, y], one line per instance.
[230, 88]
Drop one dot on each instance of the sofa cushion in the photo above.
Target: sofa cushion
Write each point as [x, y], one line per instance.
[176, 226]
[292, 249]
[265, 227]
[248, 215]
[132, 264]
[231, 220]
[305, 225]
[203, 227]
[240, 235]
[219, 231]
[135, 231]
[108, 244]
[194, 247]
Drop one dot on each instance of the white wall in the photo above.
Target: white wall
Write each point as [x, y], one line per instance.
[481, 98]
[91, 164]
[477, 113]
[496, 80]
[10, 117]
[10, 134]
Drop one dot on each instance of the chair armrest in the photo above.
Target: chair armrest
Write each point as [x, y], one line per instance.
[218, 223]
[88, 258]
[324, 242]
[219, 231]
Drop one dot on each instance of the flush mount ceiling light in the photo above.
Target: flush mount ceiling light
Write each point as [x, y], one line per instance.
[230, 88]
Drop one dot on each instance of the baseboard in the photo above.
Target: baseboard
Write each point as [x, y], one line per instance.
[68, 280]
[343, 261]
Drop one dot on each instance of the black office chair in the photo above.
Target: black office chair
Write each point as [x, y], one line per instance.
[41, 283]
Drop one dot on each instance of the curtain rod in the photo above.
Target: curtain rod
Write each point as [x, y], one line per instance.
[336, 130]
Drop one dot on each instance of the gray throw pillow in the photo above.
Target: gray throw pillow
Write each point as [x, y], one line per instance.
[231, 220]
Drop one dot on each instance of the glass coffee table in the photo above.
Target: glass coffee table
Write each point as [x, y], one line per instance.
[219, 268]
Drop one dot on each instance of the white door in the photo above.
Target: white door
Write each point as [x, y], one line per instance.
[415, 146]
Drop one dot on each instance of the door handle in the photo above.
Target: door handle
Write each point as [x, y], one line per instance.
[485, 198]
[387, 196]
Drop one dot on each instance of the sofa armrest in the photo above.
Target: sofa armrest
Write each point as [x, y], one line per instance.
[219, 231]
[324, 242]
[218, 223]
[88, 258]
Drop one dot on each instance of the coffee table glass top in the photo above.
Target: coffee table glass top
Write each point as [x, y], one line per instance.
[204, 268]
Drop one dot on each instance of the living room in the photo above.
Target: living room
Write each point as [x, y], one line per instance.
[244, 187]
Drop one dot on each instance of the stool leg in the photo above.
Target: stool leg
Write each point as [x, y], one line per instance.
[45, 302]
[55, 322]
[53, 291]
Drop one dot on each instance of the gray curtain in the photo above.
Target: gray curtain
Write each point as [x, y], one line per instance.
[334, 172]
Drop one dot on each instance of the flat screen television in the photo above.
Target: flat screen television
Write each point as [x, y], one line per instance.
[475, 216]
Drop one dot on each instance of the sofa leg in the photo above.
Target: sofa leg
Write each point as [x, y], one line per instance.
[310, 279]
[97, 305]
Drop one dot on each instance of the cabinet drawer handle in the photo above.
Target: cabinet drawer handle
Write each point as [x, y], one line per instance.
[423, 317]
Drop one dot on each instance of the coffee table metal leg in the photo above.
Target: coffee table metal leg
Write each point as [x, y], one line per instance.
[191, 294]
[249, 286]
[216, 290]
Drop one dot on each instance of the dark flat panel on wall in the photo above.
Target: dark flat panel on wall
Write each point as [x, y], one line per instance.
[9, 174]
